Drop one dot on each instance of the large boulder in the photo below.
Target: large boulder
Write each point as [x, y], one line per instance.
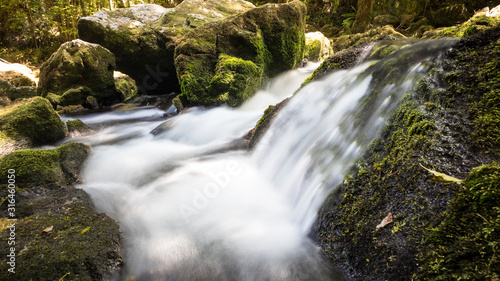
[77, 71]
[143, 37]
[57, 232]
[29, 122]
[224, 62]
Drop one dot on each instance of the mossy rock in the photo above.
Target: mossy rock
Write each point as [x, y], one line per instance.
[23, 92]
[341, 60]
[82, 245]
[32, 119]
[317, 47]
[481, 21]
[471, 253]
[77, 128]
[58, 234]
[35, 167]
[126, 86]
[143, 37]
[379, 33]
[244, 49]
[18, 78]
[80, 64]
[264, 123]
[444, 125]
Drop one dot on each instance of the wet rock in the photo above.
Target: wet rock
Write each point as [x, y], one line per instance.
[77, 128]
[375, 34]
[224, 62]
[78, 65]
[143, 37]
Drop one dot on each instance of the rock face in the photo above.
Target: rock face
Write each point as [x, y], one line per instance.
[30, 121]
[450, 124]
[317, 46]
[57, 231]
[79, 70]
[143, 37]
[224, 62]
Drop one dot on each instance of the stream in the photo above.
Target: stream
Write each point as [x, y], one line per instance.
[193, 205]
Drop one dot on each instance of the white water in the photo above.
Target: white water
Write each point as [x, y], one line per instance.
[193, 209]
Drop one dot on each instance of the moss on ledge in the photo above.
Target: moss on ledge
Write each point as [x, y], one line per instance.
[448, 125]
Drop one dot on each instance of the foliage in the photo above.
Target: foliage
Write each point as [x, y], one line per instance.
[31, 30]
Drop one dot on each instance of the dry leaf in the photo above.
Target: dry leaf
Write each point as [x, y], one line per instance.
[48, 229]
[440, 177]
[387, 220]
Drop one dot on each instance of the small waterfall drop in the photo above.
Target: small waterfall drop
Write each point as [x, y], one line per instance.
[193, 208]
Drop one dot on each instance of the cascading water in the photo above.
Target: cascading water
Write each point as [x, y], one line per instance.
[191, 207]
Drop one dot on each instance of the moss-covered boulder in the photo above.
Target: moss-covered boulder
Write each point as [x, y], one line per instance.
[317, 46]
[439, 230]
[40, 167]
[224, 62]
[58, 234]
[143, 37]
[79, 64]
[29, 121]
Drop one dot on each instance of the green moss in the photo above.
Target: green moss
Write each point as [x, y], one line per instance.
[75, 96]
[77, 125]
[224, 62]
[33, 119]
[466, 245]
[55, 100]
[436, 233]
[312, 50]
[235, 79]
[43, 167]
[78, 64]
[65, 250]
[479, 22]
[127, 87]
[21, 93]
[478, 79]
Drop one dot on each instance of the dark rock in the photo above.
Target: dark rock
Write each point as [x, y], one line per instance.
[58, 234]
[225, 62]
[143, 37]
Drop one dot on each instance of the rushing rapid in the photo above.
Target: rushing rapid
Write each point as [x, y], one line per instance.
[193, 205]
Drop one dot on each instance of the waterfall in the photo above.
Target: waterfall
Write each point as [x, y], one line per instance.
[191, 207]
